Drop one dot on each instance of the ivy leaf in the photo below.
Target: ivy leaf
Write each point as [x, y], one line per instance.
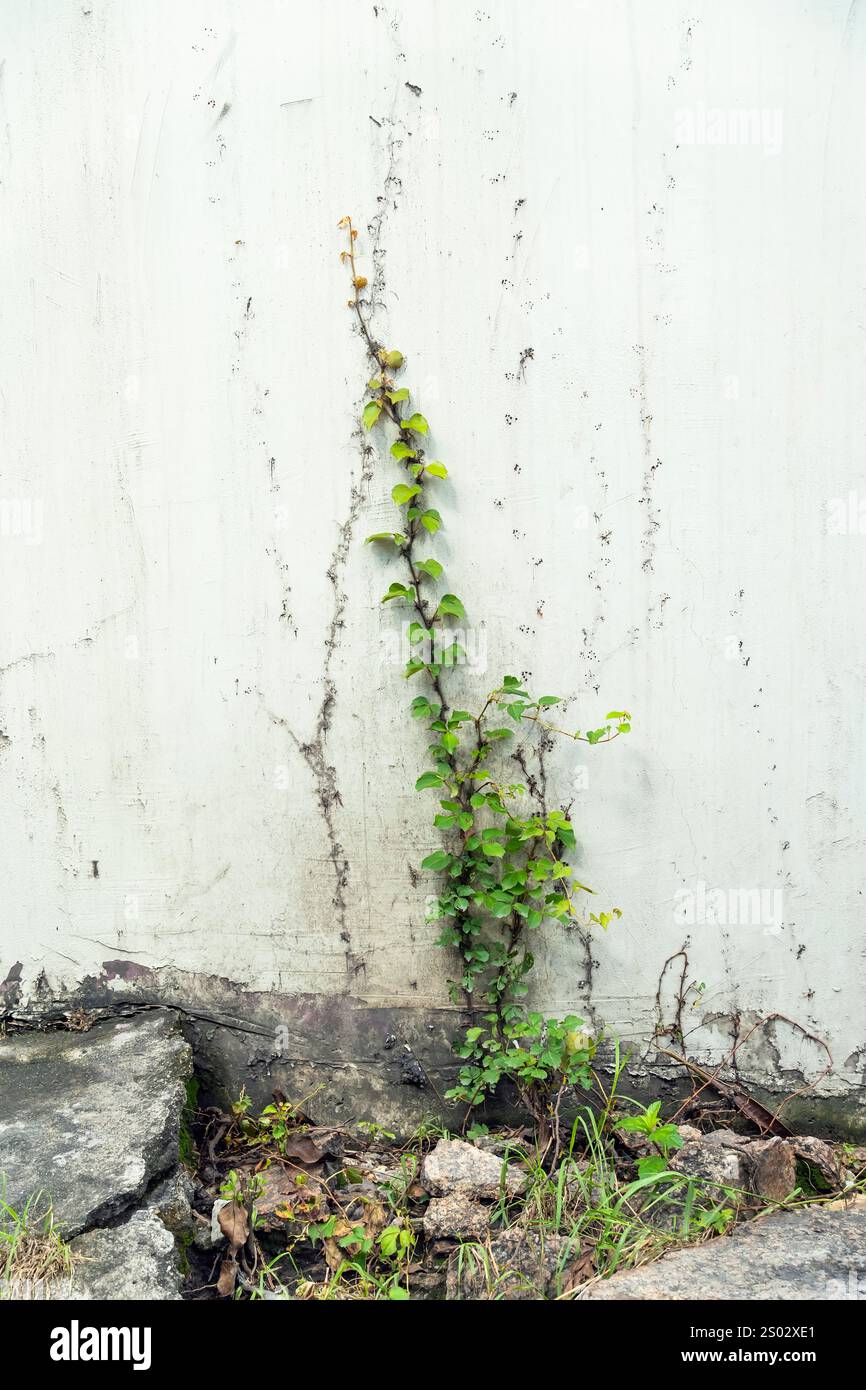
[437, 861]
[431, 567]
[549, 700]
[372, 411]
[450, 603]
[403, 493]
[437, 469]
[417, 423]
[493, 850]
[429, 779]
[396, 591]
[416, 634]
[393, 536]
[431, 521]
[401, 450]
[395, 397]
[453, 655]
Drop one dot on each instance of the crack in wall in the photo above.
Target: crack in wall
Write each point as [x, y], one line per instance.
[314, 750]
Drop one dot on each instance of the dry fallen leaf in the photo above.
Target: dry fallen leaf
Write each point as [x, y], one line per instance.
[300, 1148]
[234, 1224]
[335, 1254]
[228, 1278]
[284, 1198]
[578, 1273]
[374, 1220]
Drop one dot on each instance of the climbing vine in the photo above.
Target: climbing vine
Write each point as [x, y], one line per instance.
[502, 863]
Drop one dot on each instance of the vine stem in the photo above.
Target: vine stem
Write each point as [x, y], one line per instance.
[535, 852]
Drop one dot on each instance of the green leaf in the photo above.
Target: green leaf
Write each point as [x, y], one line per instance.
[668, 1137]
[549, 700]
[396, 591]
[395, 397]
[450, 603]
[417, 423]
[651, 1166]
[401, 450]
[453, 655]
[429, 779]
[393, 536]
[372, 411]
[431, 521]
[431, 567]
[440, 859]
[403, 493]
[437, 469]
[393, 359]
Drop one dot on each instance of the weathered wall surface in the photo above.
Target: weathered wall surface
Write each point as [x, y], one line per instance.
[205, 771]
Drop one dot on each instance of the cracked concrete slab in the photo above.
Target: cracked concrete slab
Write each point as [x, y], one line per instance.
[816, 1253]
[136, 1260]
[91, 1119]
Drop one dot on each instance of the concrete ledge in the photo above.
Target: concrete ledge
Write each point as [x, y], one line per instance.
[354, 1060]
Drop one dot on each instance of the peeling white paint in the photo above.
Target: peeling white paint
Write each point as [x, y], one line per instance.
[191, 653]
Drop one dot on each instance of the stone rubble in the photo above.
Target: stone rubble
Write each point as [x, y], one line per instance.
[91, 1120]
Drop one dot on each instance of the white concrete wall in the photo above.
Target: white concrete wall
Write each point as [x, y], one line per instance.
[641, 518]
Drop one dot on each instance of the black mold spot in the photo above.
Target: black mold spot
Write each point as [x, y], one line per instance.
[411, 1071]
[10, 988]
